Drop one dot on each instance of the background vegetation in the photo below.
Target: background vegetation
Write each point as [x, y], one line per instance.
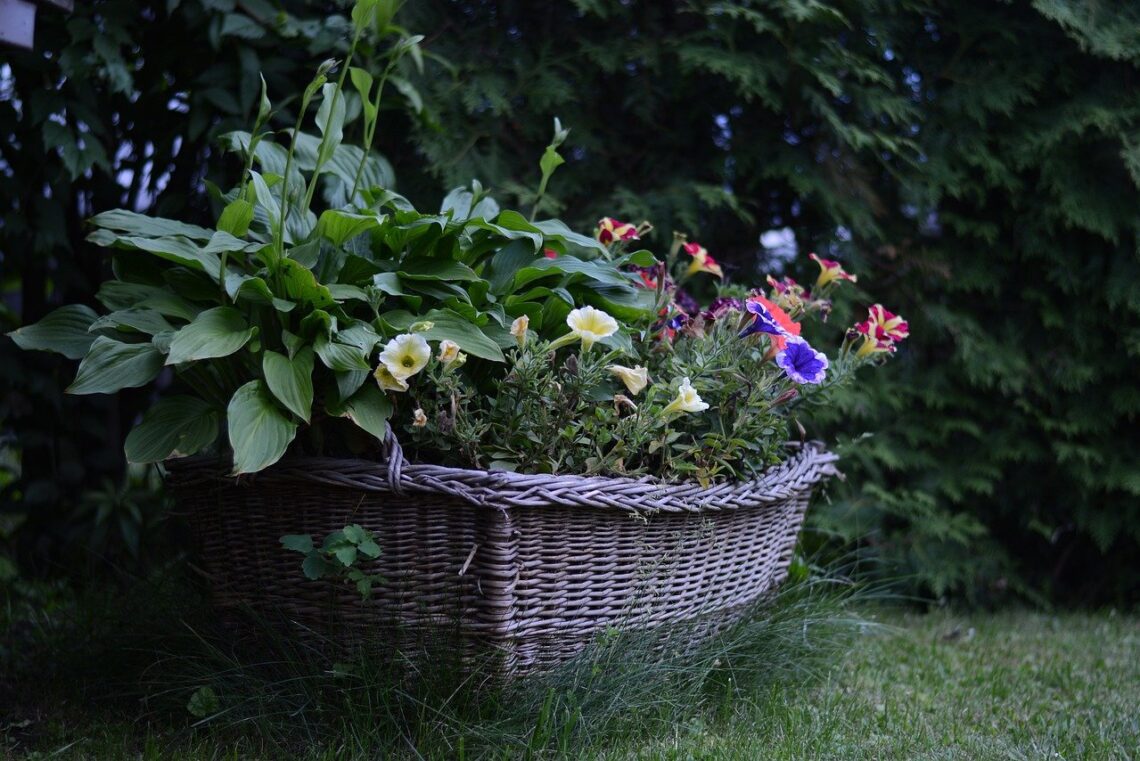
[978, 163]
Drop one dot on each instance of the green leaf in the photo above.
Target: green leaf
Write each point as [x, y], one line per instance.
[369, 408]
[291, 381]
[141, 320]
[338, 226]
[111, 365]
[506, 262]
[236, 217]
[315, 567]
[597, 271]
[330, 121]
[340, 356]
[369, 548]
[64, 331]
[203, 703]
[301, 285]
[217, 332]
[302, 543]
[258, 432]
[174, 427]
[446, 270]
[173, 249]
[409, 91]
[453, 326]
[346, 555]
[141, 225]
[549, 162]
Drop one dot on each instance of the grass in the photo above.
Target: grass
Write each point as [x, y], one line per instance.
[822, 673]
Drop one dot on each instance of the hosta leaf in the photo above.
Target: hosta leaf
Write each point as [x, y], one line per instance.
[291, 380]
[141, 225]
[450, 325]
[445, 270]
[111, 365]
[339, 356]
[217, 332]
[171, 248]
[174, 427]
[64, 331]
[338, 226]
[141, 320]
[259, 433]
[369, 408]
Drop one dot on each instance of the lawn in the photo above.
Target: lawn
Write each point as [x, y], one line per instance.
[899, 685]
[945, 686]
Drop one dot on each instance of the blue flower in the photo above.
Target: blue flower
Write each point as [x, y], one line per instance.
[765, 322]
[802, 363]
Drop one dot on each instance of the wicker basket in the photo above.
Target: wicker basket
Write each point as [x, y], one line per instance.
[528, 568]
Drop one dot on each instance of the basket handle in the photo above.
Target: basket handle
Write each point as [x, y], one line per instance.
[394, 453]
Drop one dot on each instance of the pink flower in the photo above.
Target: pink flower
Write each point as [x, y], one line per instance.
[829, 271]
[881, 331]
[611, 230]
[702, 260]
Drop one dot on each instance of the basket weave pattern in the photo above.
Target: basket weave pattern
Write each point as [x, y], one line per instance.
[528, 567]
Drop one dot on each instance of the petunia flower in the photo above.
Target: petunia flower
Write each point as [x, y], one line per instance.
[518, 329]
[873, 346]
[702, 261]
[611, 230]
[588, 325]
[829, 271]
[448, 351]
[405, 355]
[688, 400]
[772, 320]
[387, 381]
[802, 363]
[882, 325]
[634, 378]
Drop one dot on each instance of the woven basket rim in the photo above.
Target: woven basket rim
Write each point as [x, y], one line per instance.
[504, 490]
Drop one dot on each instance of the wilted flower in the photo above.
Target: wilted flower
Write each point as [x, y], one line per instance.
[621, 400]
[518, 329]
[802, 363]
[419, 419]
[721, 306]
[634, 378]
[387, 381]
[688, 400]
[610, 230]
[405, 355]
[448, 351]
[590, 325]
[702, 261]
[829, 270]
[787, 292]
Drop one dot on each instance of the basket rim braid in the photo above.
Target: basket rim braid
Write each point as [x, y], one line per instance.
[505, 490]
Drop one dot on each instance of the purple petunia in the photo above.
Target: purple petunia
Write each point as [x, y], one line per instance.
[764, 323]
[802, 363]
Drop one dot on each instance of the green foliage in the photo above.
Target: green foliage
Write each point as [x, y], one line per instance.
[338, 556]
